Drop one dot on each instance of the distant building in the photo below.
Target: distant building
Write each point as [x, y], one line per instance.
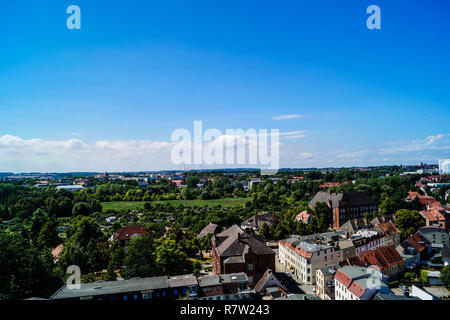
[327, 185]
[304, 217]
[57, 252]
[444, 166]
[71, 188]
[256, 222]
[346, 206]
[127, 233]
[234, 250]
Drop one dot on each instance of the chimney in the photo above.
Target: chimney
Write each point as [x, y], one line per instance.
[365, 221]
[383, 218]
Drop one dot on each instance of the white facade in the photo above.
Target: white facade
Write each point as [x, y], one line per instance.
[314, 256]
[369, 279]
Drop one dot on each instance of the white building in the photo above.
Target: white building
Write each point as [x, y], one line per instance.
[359, 283]
[304, 258]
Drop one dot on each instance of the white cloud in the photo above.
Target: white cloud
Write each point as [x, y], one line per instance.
[436, 142]
[17, 154]
[306, 155]
[289, 116]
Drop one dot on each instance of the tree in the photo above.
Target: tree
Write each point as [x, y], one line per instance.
[445, 275]
[48, 236]
[140, 260]
[265, 231]
[171, 259]
[387, 206]
[408, 222]
[38, 220]
[81, 209]
[24, 271]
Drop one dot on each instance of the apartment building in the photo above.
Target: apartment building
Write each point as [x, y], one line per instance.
[359, 283]
[303, 258]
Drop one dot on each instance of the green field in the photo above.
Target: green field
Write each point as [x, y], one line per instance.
[136, 205]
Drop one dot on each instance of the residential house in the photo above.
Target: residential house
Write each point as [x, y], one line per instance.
[327, 185]
[387, 259]
[325, 282]
[353, 226]
[392, 234]
[420, 244]
[359, 283]
[383, 218]
[235, 251]
[364, 240]
[125, 234]
[270, 282]
[410, 256]
[305, 217]
[183, 286]
[234, 286]
[256, 222]
[435, 216]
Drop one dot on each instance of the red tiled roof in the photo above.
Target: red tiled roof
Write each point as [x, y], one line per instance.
[300, 251]
[127, 233]
[418, 242]
[343, 278]
[433, 215]
[388, 228]
[383, 257]
[357, 290]
[330, 184]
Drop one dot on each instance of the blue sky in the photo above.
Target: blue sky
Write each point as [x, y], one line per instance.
[137, 70]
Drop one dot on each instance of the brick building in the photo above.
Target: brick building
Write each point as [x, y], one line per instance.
[346, 206]
[236, 251]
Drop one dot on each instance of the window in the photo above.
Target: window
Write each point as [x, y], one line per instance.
[250, 267]
[250, 279]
